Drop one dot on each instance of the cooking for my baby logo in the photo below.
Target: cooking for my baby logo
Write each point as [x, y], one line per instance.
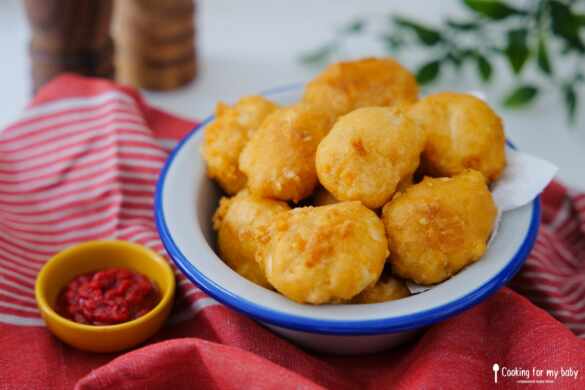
[533, 375]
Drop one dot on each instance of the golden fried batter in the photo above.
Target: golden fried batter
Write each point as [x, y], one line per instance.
[387, 288]
[405, 183]
[345, 86]
[279, 160]
[322, 197]
[324, 254]
[463, 132]
[236, 221]
[367, 153]
[439, 226]
[225, 138]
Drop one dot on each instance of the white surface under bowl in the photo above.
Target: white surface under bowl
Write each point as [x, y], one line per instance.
[186, 200]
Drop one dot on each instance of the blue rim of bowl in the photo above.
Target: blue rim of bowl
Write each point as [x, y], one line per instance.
[312, 325]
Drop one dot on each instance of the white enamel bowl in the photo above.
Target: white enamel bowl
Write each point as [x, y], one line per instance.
[186, 200]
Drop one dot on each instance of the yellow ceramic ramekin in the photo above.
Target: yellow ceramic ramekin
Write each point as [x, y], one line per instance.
[94, 256]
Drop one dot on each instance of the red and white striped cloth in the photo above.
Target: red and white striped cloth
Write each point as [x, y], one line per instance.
[82, 163]
[78, 168]
[553, 276]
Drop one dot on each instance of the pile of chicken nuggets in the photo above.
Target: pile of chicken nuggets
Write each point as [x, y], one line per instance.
[358, 187]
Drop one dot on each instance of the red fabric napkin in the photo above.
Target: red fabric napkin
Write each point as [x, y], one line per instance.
[81, 163]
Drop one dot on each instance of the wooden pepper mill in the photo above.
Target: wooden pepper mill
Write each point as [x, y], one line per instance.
[70, 36]
[155, 43]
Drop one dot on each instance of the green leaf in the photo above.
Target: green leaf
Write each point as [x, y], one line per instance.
[354, 27]
[492, 9]
[428, 72]
[462, 26]
[425, 34]
[319, 55]
[542, 56]
[483, 67]
[455, 58]
[517, 50]
[570, 97]
[521, 96]
[566, 25]
[392, 43]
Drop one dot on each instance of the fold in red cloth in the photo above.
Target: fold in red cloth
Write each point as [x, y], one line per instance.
[81, 164]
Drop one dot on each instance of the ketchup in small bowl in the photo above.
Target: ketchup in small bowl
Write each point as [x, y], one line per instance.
[107, 297]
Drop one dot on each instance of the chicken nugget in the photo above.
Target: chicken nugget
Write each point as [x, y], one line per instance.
[387, 288]
[324, 254]
[236, 221]
[345, 86]
[405, 183]
[227, 135]
[368, 153]
[322, 197]
[462, 132]
[279, 160]
[437, 227]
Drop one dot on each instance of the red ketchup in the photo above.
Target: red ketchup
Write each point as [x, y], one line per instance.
[107, 297]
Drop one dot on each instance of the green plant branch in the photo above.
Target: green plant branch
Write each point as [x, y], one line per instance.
[531, 34]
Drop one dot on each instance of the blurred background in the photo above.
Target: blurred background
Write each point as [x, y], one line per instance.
[525, 56]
